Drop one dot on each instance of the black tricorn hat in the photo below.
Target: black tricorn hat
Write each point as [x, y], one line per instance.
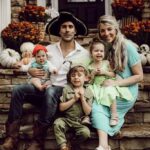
[53, 27]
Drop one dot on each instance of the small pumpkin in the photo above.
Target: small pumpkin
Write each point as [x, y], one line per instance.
[144, 48]
[8, 57]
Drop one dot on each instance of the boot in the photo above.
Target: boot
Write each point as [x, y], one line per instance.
[12, 134]
[39, 133]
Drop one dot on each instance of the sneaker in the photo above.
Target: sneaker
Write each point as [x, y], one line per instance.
[101, 148]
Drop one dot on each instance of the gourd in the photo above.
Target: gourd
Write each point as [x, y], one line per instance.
[8, 57]
[144, 51]
[144, 48]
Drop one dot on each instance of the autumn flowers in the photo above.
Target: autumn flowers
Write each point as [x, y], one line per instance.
[124, 8]
[18, 32]
[138, 31]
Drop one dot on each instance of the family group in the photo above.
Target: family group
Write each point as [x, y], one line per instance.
[84, 87]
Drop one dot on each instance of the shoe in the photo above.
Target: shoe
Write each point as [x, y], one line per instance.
[9, 144]
[101, 148]
[113, 120]
[34, 146]
[86, 120]
[66, 147]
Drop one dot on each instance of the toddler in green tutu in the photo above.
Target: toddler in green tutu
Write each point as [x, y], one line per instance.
[100, 70]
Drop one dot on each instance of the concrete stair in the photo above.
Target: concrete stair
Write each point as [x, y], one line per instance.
[135, 134]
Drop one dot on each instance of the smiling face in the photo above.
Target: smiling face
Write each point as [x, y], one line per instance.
[98, 52]
[107, 32]
[41, 57]
[67, 31]
[77, 76]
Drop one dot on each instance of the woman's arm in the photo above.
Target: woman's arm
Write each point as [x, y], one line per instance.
[108, 73]
[135, 78]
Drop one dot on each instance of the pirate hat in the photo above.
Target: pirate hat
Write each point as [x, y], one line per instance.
[53, 27]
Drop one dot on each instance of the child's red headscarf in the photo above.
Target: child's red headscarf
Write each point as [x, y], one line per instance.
[39, 47]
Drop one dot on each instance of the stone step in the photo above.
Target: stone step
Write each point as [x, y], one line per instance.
[8, 88]
[138, 114]
[131, 137]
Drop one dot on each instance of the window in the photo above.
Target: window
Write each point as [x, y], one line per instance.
[5, 17]
[81, 0]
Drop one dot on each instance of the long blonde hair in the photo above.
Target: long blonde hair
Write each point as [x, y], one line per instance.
[119, 56]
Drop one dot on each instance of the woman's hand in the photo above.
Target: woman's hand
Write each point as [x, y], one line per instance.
[109, 82]
[36, 72]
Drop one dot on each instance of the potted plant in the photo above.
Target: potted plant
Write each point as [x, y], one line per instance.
[18, 32]
[33, 13]
[139, 32]
[129, 7]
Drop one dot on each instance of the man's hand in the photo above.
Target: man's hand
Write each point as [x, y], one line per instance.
[36, 72]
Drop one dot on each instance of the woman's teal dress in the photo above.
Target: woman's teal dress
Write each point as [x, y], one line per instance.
[100, 116]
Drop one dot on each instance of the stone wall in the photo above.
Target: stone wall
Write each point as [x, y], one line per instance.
[146, 11]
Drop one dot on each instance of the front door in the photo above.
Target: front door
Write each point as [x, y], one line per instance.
[87, 10]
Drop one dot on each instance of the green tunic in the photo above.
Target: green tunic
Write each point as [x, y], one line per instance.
[76, 111]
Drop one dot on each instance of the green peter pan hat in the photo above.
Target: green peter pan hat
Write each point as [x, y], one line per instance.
[74, 65]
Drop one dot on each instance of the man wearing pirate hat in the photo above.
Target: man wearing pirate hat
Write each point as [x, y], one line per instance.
[66, 26]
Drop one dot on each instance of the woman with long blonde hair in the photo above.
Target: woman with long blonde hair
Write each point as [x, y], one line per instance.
[125, 61]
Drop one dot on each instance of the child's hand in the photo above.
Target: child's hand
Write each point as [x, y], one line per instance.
[81, 92]
[77, 95]
[93, 73]
[98, 71]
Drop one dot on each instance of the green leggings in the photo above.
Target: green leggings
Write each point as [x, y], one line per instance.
[62, 125]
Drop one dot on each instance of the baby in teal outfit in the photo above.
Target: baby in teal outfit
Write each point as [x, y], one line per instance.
[41, 62]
